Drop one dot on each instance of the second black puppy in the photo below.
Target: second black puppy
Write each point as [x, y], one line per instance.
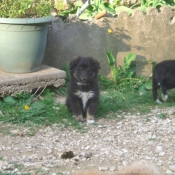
[83, 91]
[163, 77]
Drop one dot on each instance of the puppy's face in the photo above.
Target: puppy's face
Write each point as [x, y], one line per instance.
[84, 69]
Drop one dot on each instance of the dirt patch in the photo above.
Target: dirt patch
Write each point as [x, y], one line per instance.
[108, 145]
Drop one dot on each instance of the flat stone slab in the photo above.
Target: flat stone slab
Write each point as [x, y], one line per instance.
[11, 83]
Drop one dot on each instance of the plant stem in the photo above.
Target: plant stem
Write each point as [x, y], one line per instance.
[135, 79]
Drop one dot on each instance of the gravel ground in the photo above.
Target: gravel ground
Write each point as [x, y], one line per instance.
[108, 145]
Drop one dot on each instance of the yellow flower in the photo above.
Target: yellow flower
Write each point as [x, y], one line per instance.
[26, 107]
[109, 31]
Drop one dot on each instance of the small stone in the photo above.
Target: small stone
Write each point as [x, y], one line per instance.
[158, 149]
[102, 126]
[8, 167]
[103, 168]
[9, 148]
[49, 151]
[124, 150]
[67, 160]
[16, 170]
[172, 168]
[171, 112]
[4, 167]
[88, 155]
[124, 163]
[112, 169]
[159, 163]
[154, 137]
[84, 159]
[168, 172]
[162, 154]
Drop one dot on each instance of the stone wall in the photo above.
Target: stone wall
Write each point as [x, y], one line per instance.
[151, 36]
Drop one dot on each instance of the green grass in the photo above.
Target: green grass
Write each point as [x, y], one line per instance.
[43, 111]
[130, 102]
[3, 173]
[114, 100]
[129, 96]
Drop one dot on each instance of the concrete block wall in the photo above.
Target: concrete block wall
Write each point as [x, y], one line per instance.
[151, 36]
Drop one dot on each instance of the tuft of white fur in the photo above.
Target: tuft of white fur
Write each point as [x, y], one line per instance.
[90, 121]
[158, 101]
[164, 97]
[85, 96]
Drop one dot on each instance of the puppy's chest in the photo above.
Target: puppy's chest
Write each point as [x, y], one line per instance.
[85, 96]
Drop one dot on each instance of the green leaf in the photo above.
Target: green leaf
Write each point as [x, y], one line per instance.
[110, 8]
[67, 12]
[101, 7]
[143, 2]
[148, 85]
[78, 4]
[130, 74]
[10, 100]
[114, 70]
[87, 15]
[128, 59]
[155, 2]
[111, 59]
[123, 8]
[142, 8]
[142, 90]
[97, 2]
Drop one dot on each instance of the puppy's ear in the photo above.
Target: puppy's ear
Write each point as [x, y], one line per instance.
[96, 63]
[74, 63]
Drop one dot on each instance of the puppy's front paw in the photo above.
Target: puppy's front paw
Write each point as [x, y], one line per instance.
[90, 121]
[158, 101]
[90, 118]
[79, 118]
[164, 97]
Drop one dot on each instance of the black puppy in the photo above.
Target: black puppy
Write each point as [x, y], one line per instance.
[163, 77]
[83, 91]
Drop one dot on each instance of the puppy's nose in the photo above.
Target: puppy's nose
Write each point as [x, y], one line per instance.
[84, 78]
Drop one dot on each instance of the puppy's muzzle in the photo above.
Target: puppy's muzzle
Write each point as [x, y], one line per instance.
[84, 79]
